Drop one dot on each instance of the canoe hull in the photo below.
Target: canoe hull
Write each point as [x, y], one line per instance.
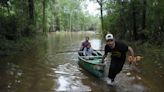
[91, 68]
[95, 69]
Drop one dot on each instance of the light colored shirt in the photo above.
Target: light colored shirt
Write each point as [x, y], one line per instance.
[87, 51]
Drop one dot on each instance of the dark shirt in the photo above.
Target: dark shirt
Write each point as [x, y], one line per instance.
[119, 52]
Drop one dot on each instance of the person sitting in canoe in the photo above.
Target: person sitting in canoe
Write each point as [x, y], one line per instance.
[88, 51]
[85, 43]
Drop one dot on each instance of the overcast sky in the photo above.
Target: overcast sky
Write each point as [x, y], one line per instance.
[92, 8]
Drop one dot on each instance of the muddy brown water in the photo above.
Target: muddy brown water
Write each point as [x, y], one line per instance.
[45, 69]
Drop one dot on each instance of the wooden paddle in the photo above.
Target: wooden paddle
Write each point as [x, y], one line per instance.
[74, 51]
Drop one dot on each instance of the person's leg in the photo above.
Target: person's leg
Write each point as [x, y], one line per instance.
[120, 66]
[114, 69]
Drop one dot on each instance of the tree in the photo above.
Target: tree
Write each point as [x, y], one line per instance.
[100, 2]
[44, 16]
[31, 10]
[134, 20]
[144, 15]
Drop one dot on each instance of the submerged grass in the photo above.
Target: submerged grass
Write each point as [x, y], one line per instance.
[10, 47]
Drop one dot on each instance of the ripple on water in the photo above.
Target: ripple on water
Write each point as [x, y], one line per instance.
[69, 78]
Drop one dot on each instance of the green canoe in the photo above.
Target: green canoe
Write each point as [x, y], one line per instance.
[92, 64]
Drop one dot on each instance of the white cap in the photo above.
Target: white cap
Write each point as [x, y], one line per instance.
[109, 37]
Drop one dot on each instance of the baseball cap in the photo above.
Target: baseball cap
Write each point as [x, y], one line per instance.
[109, 37]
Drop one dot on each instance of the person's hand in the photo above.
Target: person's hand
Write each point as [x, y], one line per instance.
[130, 59]
[104, 63]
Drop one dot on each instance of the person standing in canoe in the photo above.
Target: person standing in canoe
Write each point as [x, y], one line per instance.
[85, 44]
[118, 51]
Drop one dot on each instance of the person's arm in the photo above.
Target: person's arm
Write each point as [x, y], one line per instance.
[104, 56]
[82, 47]
[130, 51]
[130, 55]
[84, 51]
[91, 50]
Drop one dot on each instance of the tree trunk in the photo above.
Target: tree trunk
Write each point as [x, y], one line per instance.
[31, 21]
[31, 10]
[134, 21]
[70, 22]
[44, 16]
[158, 25]
[100, 2]
[144, 15]
[57, 23]
[122, 19]
[102, 20]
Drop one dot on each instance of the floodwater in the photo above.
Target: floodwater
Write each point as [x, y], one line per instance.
[52, 67]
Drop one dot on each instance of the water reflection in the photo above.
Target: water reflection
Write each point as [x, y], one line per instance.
[96, 44]
[26, 71]
[69, 78]
[43, 69]
[152, 68]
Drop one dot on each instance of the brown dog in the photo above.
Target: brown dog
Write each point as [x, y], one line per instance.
[134, 60]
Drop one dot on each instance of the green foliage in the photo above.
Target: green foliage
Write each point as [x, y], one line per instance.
[49, 15]
[71, 16]
[136, 19]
